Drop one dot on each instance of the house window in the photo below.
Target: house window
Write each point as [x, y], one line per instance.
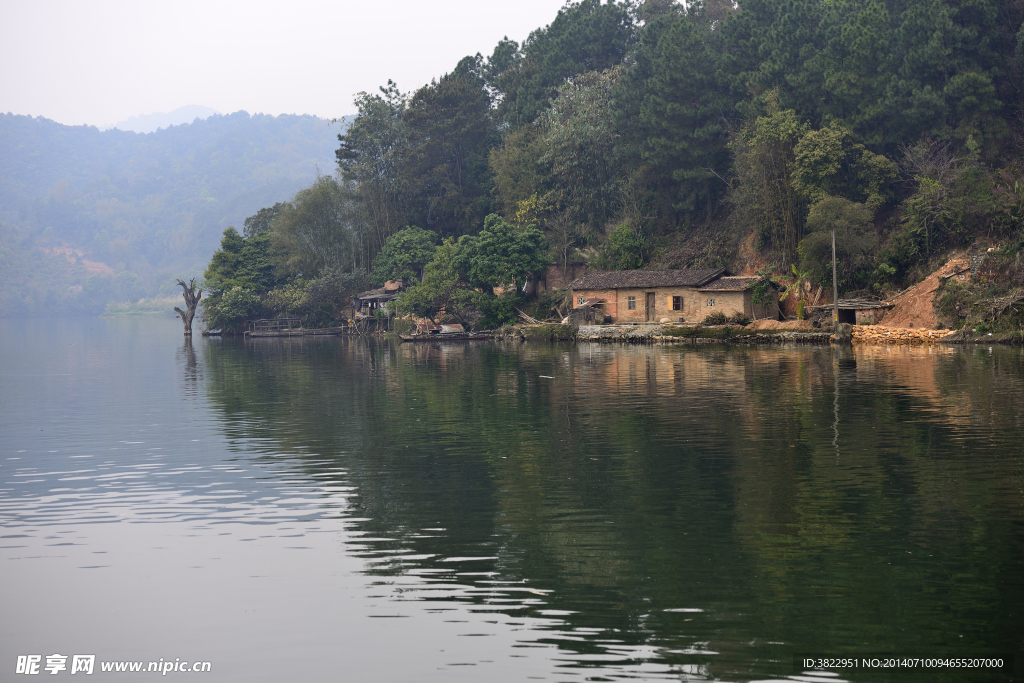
[580, 301]
[631, 303]
[677, 303]
[711, 302]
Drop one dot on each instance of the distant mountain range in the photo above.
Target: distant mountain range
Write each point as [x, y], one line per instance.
[149, 123]
[78, 204]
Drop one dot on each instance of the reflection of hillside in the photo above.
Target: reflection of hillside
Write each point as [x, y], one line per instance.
[897, 470]
[916, 372]
[620, 482]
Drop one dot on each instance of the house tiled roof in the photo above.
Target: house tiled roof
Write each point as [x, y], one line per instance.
[641, 279]
[380, 293]
[739, 283]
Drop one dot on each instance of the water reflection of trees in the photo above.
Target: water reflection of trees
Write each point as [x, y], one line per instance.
[189, 366]
[638, 480]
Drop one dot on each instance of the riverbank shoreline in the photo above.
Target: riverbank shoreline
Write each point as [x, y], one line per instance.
[669, 334]
[675, 334]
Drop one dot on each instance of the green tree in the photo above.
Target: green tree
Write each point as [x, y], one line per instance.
[287, 300]
[404, 256]
[763, 194]
[857, 54]
[320, 302]
[565, 236]
[328, 296]
[231, 309]
[442, 289]
[942, 85]
[450, 132]
[855, 240]
[261, 222]
[672, 105]
[953, 193]
[624, 249]
[762, 290]
[496, 311]
[502, 255]
[796, 286]
[891, 72]
[242, 262]
[827, 162]
[318, 229]
[221, 271]
[578, 140]
[371, 154]
[516, 170]
[256, 269]
[587, 35]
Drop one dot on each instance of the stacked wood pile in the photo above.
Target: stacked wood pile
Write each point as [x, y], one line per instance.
[880, 334]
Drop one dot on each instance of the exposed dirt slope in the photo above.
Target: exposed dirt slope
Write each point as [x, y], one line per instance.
[915, 307]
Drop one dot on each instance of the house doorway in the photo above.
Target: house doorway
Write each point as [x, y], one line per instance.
[650, 306]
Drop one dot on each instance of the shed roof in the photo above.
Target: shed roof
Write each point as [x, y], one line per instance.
[739, 283]
[627, 279]
[857, 304]
[377, 294]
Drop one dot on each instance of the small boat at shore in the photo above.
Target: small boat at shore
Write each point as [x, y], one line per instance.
[449, 332]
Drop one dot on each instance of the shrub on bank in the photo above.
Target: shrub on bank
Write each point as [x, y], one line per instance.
[716, 318]
[402, 325]
[702, 332]
[738, 318]
[681, 331]
[992, 301]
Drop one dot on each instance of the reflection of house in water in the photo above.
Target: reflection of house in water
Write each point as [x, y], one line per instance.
[446, 356]
[365, 303]
[731, 374]
[654, 371]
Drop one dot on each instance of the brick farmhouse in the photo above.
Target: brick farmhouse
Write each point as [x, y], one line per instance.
[639, 296]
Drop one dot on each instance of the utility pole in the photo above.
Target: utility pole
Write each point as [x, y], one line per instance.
[835, 287]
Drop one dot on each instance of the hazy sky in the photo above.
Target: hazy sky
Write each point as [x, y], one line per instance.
[102, 61]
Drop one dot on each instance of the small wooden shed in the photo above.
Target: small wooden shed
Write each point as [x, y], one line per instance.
[858, 311]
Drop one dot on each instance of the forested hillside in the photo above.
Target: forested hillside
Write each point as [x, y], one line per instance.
[662, 134]
[120, 214]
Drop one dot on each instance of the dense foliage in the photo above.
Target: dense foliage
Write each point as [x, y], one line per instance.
[626, 133]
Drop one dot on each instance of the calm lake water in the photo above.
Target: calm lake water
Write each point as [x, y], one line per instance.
[351, 510]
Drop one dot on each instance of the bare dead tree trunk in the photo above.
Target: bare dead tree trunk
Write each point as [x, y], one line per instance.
[191, 302]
